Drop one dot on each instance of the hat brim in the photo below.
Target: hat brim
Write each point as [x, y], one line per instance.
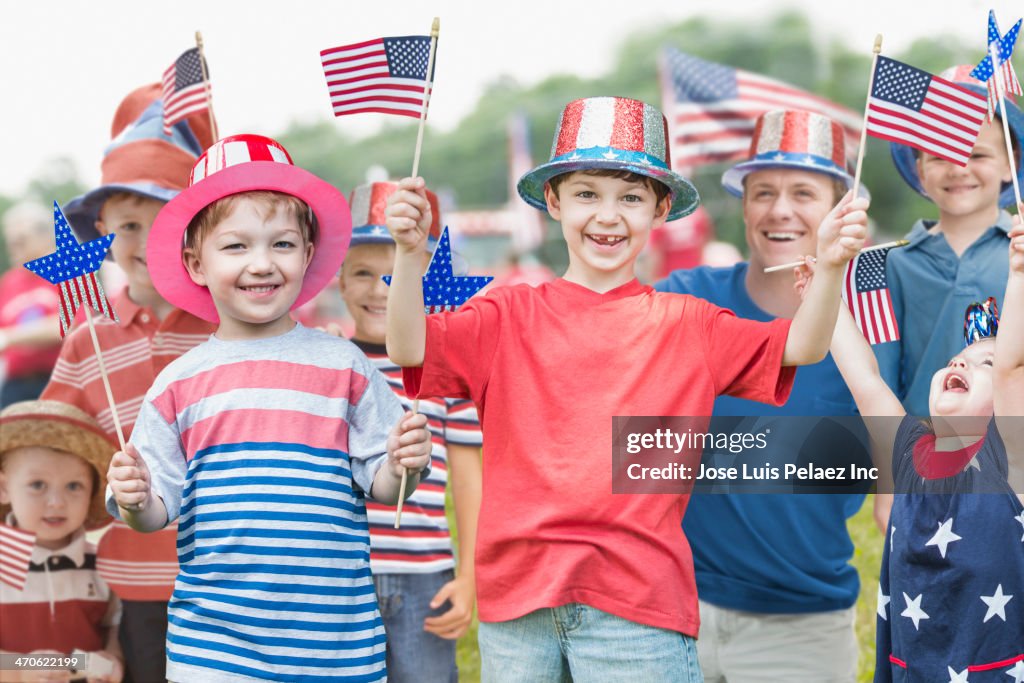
[380, 236]
[163, 251]
[906, 163]
[67, 435]
[732, 179]
[685, 198]
[83, 211]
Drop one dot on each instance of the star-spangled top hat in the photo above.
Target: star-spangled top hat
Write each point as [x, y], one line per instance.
[236, 164]
[906, 162]
[369, 203]
[140, 159]
[792, 139]
[613, 133]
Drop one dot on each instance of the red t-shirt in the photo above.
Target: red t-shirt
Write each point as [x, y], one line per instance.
[548, 368]
[25, 297]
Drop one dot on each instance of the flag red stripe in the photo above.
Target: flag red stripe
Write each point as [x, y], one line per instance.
[385, 98]
[936, 150]
[352, 58]
[378, 110]
[353, 46]
[377, 86]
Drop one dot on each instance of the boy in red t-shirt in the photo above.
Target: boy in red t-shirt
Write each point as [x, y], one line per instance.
[571, 579]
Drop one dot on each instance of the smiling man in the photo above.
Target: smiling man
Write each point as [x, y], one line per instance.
[773, 575]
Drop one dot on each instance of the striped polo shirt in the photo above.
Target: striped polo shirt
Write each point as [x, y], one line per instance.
[423, 544]
[135, 349]
[263, 450]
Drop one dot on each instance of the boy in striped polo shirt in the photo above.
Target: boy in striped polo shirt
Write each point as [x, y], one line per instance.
[142, 169]
[266, 438]
[424, 604]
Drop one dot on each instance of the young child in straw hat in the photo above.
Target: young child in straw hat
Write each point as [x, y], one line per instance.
[52, 478]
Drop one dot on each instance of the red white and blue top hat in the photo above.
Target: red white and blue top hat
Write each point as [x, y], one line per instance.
[370, 202]
[906, 162]
[236, 164]
[613, 133]
[793, 139]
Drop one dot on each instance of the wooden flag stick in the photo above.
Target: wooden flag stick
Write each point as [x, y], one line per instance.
[104, 376]
[794, 264]
[206, 87]
[428, 84]
[867, 106]
[1006, 126]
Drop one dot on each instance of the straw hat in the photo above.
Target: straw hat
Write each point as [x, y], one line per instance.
[62, 427]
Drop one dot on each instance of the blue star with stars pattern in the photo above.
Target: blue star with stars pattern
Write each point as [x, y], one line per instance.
[71, 259]
[442, 289]
[1004, 48]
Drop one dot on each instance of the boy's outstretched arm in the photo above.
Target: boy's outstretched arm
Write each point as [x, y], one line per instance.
[408, 221]
[1008, 366]
[840, 237]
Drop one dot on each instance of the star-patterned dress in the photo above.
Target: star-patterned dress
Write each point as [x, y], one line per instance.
[951, 590]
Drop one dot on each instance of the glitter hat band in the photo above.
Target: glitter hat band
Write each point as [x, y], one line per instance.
[981, 321]
[613, 133]
[906, 162]
[237, 164]
[793, 139]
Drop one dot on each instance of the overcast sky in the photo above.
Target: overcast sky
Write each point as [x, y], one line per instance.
[66, 64]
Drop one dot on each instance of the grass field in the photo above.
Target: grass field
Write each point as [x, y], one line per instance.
[867, 558]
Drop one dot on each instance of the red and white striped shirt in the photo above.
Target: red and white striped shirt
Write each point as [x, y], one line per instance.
[423, 544]
[137, 566]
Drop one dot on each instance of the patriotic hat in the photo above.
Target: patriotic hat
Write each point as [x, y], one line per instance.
[236, 164]
[611, 133]
[140, 158]
[906, 162]
[62, 427]
[369, 203]
[981, 321]
[793, 139]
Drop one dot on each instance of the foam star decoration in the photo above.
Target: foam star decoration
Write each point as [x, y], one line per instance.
[72, 268]
[883, 600]
[914, 611]
[442, 289]
[1003, 70]
[996, 604]
[955, 677]
[943, 537]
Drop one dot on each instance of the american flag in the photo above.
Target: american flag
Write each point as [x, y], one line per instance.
[866, 292]
[385, 75]
[915, 108]
[712, 109]
[1005, 73]
[442, 289]
[15, 554]
[72, 267]
[184, 89]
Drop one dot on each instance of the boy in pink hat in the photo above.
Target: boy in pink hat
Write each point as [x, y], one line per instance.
[266, 439]
[142, 169]
[572, 580]
[425, 604]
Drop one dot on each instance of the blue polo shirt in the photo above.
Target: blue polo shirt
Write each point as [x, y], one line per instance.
[931, 288]
[785, 553]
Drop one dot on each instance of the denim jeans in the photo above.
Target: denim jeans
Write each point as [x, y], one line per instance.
[579, 643]
[413, 654]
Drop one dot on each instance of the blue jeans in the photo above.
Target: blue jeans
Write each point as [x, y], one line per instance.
[579, 643]
[412, 653]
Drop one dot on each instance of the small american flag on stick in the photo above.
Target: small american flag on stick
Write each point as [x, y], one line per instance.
[915, 108]
[385, 75]
[15, 554]
[712, 109]
[72, 268]
[184, 88]
[866, 292]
